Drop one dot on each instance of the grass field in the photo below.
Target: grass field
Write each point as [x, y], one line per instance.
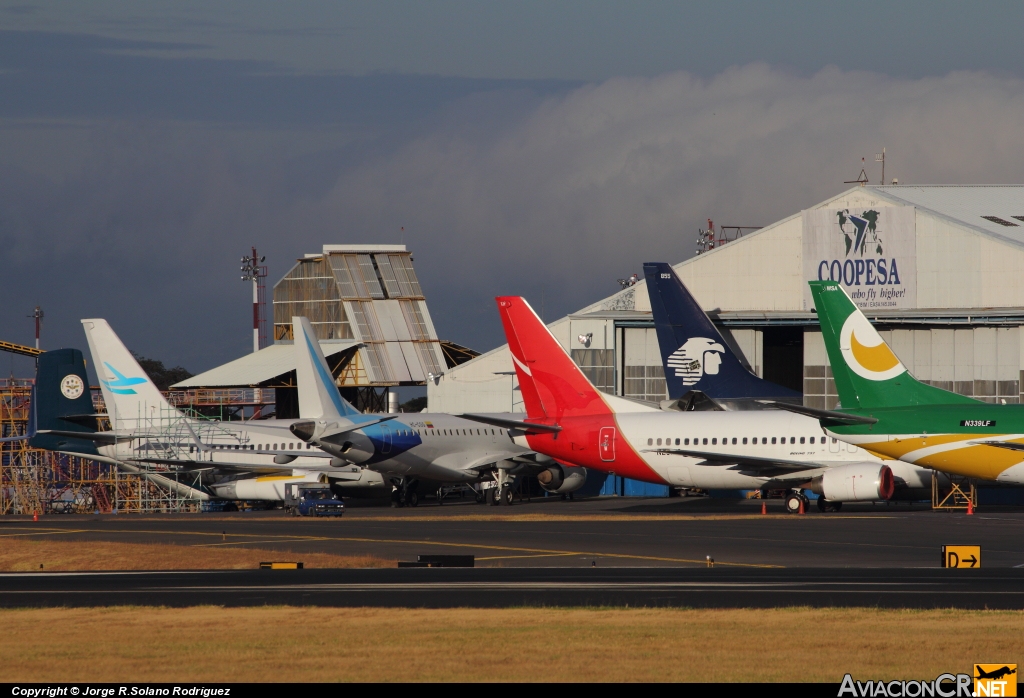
[526, 644]
[20, 555]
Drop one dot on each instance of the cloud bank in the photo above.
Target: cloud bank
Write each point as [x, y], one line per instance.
[502, 190]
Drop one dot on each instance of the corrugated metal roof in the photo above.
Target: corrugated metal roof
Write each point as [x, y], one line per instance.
[968, 204]
[258, 367]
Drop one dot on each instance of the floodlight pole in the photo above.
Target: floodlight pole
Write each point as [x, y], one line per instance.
[254, 271]
[38, 315]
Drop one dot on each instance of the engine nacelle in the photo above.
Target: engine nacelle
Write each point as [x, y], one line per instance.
[257, 488]
[856, 482]
[562, 479]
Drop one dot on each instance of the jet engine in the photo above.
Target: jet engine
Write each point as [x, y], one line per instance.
[256, 488]
[349, 446]
[561, 479]
[856, 482]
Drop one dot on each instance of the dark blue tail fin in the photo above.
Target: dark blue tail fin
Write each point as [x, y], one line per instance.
[62, 402]
[694, 354]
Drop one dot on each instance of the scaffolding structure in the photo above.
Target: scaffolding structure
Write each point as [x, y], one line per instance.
[36, 481]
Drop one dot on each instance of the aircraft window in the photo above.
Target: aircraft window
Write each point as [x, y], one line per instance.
[686, 442]
[764, 440]
[773, 440]
[734, 441]
[659, 442]
[705, 441]
[792, 439]
[833, 440]
[236, 447]
[677, 442]
[650, 442]
[801, 439]
[744, 441]
[275, 447]
[714, 442]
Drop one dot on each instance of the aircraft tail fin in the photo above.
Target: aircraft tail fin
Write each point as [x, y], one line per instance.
[552, 385]
[866, 371]
[131, 397]
[61, 401]
[694, 353]
[318, 395]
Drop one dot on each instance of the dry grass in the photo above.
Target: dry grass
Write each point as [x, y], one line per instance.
[328, 644]
[18, 555]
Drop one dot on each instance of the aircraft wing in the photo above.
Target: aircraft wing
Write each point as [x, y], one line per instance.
[513, 424]
[100, 437]
[747, 462]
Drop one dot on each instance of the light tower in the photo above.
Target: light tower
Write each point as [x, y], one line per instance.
[252, 270]
[38, 315]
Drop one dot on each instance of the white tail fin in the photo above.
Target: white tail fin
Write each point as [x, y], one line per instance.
[318, 396]
[132, 399]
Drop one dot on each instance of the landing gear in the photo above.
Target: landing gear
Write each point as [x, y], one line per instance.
[491, 496]
[794, 500]
[825, 505]
[403, 492]
[506, 495]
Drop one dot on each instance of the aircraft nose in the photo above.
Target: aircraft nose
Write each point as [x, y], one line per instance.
[303, 430]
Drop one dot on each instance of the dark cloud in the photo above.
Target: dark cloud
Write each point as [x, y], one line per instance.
[137, 209]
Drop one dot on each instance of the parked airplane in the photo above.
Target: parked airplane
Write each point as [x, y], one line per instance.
[251, 460]
[717, 378]
[887, 410]
[698, 361]
[571, 421]
[416, 447]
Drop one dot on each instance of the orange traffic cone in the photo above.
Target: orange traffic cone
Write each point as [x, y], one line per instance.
[764, 508]
[802, 507]
[970, 507]
[35, 515]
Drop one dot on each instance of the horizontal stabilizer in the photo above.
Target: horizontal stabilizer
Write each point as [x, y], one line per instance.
[824, 415]
[100, 437]
[528, 427]
[1008, 445]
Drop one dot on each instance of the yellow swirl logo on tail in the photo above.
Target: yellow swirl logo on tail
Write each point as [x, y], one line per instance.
[876, 359]
[865, 352]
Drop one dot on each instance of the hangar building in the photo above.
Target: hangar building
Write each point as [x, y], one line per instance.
[938, 269]
[367, 309]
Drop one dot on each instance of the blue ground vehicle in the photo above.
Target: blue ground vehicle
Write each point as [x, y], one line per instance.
[312, 500]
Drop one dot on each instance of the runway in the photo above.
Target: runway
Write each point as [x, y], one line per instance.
[607, 551]
[499, 588]
[608, 531]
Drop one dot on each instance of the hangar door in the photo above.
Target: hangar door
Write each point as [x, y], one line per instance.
[784, 356]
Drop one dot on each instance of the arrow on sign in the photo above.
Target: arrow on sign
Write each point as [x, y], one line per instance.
[972, 559]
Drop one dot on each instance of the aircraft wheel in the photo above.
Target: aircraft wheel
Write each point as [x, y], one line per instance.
[414, 499]
[793, 502]
[506, 496]
[492, 497]
[823, 506]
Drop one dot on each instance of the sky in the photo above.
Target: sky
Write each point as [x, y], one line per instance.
[535, 148]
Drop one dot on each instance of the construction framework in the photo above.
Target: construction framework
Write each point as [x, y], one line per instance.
[36, 481]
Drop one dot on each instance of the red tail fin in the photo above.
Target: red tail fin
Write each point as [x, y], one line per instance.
[552, 384]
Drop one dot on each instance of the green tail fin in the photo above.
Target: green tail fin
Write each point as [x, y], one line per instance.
[867, 372]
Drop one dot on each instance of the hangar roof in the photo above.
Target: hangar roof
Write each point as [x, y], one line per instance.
[994, 209]
[258, 367]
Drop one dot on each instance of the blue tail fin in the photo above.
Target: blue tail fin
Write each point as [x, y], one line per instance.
[694, 354]
[62, 401]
